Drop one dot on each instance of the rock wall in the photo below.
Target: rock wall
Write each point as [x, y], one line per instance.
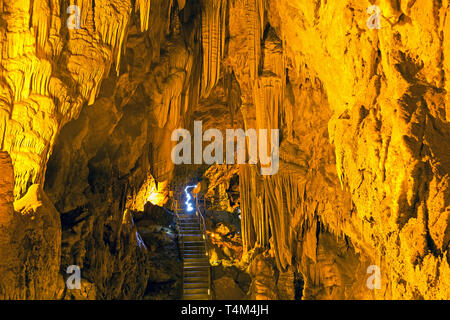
[102, 161]
[30, 245]
[379, 99]
[87, 113]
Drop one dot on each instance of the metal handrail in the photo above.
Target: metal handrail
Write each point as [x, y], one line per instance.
[181, 243]
[175, 210]
[205, 240]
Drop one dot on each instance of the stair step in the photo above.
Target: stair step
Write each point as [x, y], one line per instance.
[196, 291]
[196, 266]
[194, 243]
[195, 274]
[191, 272]
[192, 259]
[194, 248]
[196, 285]
[189, 225]
[196, 260]
[198, 250]
[192, 237]
[194, 255]
[196, 297]
[200, 278]
[200, 263]
[196, 271]
[191, 254]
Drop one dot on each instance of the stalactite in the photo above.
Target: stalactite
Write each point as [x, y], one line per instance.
[254, 10]
[112, 22]
[272, 55]
[143, 6]
[181, 4]
[213, 42]
[269, 87]
[268, 95]
[88, 15]
[232, 92]
[41, 21]
[248, 208]
[272, 209]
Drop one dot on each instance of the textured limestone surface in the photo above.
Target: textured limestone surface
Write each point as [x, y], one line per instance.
[157, 227]
[30, 245]
[87, 113]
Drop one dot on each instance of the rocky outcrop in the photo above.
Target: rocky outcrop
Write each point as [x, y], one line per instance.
[61, 96]
[377, 100]
[158, 230]
[9, 246]
[230, 278]
[30, 246]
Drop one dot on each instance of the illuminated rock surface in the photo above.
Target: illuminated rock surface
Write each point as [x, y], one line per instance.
[86, 117]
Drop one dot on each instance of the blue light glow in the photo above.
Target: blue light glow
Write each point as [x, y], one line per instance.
[188, 203]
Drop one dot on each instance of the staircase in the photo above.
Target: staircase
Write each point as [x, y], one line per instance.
[196, 267]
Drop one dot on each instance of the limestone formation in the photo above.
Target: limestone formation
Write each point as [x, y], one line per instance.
[91, 91]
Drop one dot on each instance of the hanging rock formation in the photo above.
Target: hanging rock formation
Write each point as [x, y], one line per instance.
[87, 111]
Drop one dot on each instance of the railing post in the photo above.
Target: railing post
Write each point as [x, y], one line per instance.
[180, 241]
